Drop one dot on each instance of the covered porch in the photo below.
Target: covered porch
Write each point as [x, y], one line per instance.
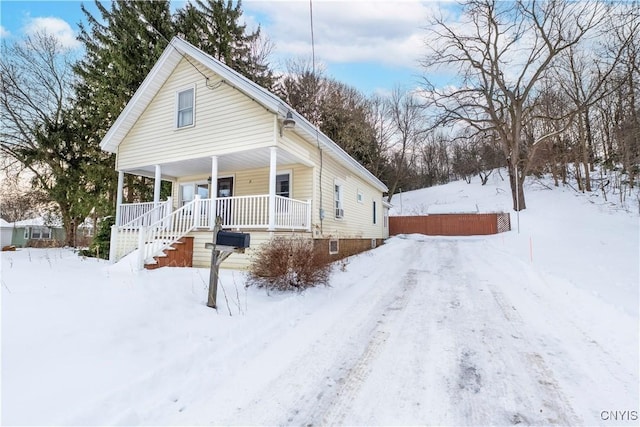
[251, 190]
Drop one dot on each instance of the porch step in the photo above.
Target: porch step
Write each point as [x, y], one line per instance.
[179, 254]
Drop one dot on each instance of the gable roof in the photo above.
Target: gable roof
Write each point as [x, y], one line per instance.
[175, 51]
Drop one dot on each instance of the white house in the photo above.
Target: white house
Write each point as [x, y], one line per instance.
[232, 149]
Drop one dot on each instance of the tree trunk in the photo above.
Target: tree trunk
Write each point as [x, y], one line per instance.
[579, 177]
[517, 189]
[70, 233]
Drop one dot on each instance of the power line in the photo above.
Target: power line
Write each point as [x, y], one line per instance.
[315, 112]
[149, 25]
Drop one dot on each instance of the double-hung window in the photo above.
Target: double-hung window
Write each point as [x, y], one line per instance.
[40, 233]
[338, 200]
[283, 185]
[184, 108]
[375, 213]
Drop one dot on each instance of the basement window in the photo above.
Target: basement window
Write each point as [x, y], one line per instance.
[333, 247]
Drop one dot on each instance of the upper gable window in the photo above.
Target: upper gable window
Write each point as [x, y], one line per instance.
[184, 108]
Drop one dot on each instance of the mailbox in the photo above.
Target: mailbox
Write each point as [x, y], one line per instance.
[236, 240]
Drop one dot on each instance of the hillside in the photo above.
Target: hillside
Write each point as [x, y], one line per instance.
[591, 242]
[422, 330]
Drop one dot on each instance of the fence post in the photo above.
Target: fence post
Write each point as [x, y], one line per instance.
[308, 214]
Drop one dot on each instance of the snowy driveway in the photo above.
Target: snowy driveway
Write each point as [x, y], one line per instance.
[438, 331]
[446, 332]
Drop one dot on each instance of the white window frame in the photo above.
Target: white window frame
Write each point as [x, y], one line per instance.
[338, 199]
[194, 186]
[38, 233]
[360, 196]
[177, 107]
[335, 242]
[385, 217]
[27, 235]
[290, 173]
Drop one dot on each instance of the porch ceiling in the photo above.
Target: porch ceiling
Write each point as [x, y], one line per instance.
[227, 163]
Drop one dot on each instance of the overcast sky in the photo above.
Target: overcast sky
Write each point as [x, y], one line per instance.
[371, 45]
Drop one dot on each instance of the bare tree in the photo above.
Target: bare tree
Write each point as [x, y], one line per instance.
[18, 201]
[39, 132]
[407, 119]
[502, 51]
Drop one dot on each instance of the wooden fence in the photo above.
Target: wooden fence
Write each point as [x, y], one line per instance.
[451, 224]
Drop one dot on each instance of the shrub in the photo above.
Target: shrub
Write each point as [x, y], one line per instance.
[101, 240]
[288, 264]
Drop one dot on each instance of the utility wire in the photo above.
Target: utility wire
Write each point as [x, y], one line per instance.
[315, 112]
[149, 26]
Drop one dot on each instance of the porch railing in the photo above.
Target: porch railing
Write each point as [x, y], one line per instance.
[135, 215]
[157, 228]
[158, 236]
[242, 212]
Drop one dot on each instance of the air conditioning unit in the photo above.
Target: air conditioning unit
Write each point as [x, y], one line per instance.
[339, 213]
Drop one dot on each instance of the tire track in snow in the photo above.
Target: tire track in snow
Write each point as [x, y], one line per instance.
[327, 373]
[556, 406]
[341, 403]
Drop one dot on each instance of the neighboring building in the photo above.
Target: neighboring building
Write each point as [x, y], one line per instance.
[36, 232]
[232, 149]
[6, 233]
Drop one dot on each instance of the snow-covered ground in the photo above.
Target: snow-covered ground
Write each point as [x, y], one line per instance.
[539, 327]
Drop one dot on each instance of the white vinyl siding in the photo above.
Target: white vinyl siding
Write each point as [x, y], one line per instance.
[202, 256]
[256, 181]
[227, 122]
[357, 221]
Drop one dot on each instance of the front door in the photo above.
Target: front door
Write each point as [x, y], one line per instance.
[225, 208]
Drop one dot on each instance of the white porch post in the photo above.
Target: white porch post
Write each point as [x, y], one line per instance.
[197, 212]
[272, 188]
[156, 186]
[119, 196]
[213, 209]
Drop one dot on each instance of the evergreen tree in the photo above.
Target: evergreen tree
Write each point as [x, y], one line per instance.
[121, 49]
[214, 27]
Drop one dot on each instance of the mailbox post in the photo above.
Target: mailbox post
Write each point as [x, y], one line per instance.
[224, 244]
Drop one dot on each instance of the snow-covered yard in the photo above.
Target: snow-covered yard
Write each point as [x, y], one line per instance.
[537, 328]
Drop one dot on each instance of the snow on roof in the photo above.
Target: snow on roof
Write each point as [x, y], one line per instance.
[34, 222]
[5, 224]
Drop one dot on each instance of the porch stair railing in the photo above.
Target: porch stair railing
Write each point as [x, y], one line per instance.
[152, 232]
[136, 215]
[158, 236]
[158, 228]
